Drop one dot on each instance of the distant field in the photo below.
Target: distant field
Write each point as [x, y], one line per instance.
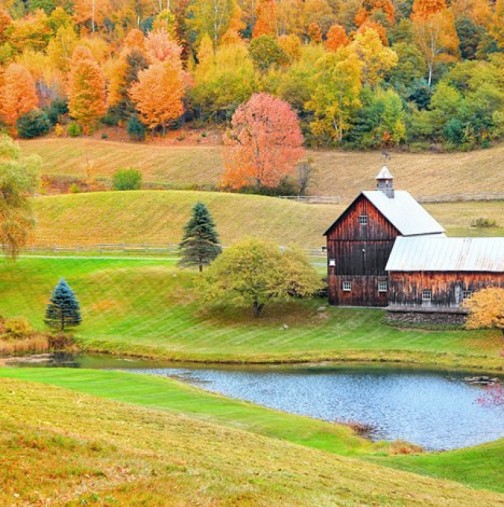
[337, 173]
[65, 448]
[158, 217]
[148, 307]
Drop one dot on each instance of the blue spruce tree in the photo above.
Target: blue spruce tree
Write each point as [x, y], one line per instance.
[200, 244]
[63, 310]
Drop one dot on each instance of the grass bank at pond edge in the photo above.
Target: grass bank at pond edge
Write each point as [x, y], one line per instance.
[148, 308]
[478, 467]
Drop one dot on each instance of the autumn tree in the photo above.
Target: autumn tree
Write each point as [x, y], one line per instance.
[335, 97]
[496, 26]
[158, 94]
[18, 179]
[436, 38]
[486, 309]
[266, 19]
[263, 144]
[86, 89]
[254, 273]
[314, 33]
[17, 94]
[265, 51]
[160, 47]
[369, 8]
[212, 17]
[423, 9]
[376, 58]
[336, 38]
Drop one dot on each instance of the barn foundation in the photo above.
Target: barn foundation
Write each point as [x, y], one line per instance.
[411, 316]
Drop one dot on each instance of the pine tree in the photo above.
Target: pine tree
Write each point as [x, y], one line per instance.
[200, 244]
[63, 310]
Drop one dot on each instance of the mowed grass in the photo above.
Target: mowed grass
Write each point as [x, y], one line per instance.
[337, 173]
[158, 218]
[64, 448]
[149, 307]
[479, 467]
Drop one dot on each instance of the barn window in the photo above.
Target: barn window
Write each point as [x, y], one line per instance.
[466, 294]
[347, 286]
[382, 286]
[427, 295]
[332, 262]
[363, 219]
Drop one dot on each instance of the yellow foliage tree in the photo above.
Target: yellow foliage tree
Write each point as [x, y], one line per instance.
[376, 58]
[486, 309]
[158, 94]
[17, 94]
[86, 89]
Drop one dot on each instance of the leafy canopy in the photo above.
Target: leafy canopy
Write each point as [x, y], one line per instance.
[486, 309]
[254, 272]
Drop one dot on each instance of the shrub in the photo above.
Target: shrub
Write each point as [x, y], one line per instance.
[136, 129]
[58, 130]
[74, 129]
[33, 124]
[484, 223]
[60, 341]
[17, 327]
[127, 179]
[58, 108]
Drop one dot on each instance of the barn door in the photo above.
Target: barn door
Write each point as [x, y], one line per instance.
[458, 294]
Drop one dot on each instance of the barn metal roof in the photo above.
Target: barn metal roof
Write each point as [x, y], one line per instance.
[404, 213]
[384, 174]
[436, 253]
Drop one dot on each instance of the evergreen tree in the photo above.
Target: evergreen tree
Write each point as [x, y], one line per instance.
[63, 310]
[200, 244]
[136, 129]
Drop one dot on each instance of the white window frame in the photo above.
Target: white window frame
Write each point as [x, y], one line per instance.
[346, 286]
[332, 263]
[363, 219]
[427, 295]
[466, 294]
[382, 286]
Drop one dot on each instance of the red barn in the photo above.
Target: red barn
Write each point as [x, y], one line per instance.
[359, 242]
[387, 250]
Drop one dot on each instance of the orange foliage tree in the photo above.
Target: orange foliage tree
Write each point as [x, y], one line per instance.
[263, 145]
[86, 92]
[158, 94]
[314, 33]
[5, 21]
[336, 38]
[370, 7]
[266, 18]
[422, 9]
[17, 94]
[159, 47]
[486, 309]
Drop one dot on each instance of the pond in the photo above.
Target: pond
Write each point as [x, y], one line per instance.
[437, 410]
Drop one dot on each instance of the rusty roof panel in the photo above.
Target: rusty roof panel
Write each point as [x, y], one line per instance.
[434, 253]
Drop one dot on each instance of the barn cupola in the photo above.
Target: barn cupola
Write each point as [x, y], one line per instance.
[385, 182]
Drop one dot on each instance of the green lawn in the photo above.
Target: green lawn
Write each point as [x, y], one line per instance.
[478, 467]
[148, 307]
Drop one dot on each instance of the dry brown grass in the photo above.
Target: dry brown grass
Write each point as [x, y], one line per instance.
[337, 173]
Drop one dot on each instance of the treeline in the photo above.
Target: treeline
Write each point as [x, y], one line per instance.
[359, 73]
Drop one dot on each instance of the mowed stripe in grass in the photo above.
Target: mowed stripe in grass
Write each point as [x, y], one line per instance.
[65, 448]
[150, 308]
[158, 218]
[336, 172]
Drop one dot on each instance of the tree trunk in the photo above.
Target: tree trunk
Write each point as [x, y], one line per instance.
[258, 307]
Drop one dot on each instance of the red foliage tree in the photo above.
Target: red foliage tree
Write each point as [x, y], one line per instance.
[263, 145]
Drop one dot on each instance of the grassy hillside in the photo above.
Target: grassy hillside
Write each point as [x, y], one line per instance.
[73, 449]
[337, 173]
[158, 217]
[148, 307]
[478, 467]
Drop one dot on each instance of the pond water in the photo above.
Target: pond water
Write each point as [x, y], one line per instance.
[437, 410]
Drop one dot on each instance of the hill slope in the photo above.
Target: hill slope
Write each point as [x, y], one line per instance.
[337, 173]
[158, 217]
[107, 453]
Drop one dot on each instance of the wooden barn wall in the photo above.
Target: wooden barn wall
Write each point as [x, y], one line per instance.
[360, 253]
[405, 289]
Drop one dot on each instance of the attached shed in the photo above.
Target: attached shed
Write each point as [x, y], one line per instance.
[360, 241]
[437, 272]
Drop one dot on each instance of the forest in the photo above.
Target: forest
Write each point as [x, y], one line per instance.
[364, 74]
